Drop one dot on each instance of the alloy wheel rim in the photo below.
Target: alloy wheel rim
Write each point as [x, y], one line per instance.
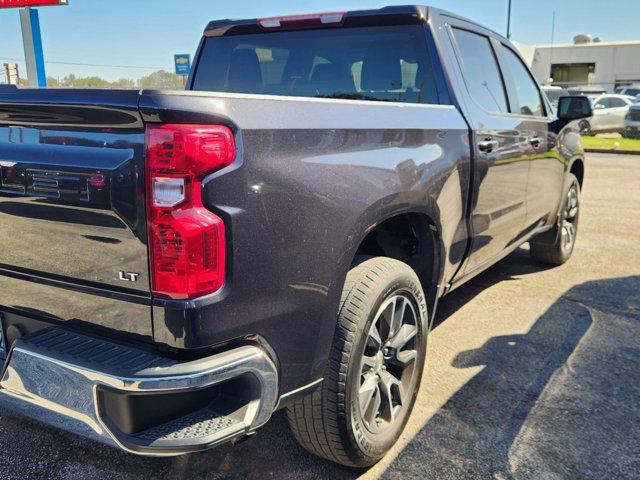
[584, 126]
[570, 220]
[388, 364]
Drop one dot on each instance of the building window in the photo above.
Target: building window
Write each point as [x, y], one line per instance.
[570, 74]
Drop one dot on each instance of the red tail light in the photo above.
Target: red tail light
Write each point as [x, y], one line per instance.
[186, 241]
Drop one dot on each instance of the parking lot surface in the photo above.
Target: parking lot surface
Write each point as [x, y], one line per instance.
[532, 372]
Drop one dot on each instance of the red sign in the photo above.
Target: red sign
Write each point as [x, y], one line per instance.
[31, 3]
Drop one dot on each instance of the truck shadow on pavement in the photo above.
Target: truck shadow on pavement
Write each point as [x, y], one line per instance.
[560, 401]
[509, 269]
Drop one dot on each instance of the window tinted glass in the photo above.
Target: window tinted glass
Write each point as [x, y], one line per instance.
[527, 99]
[602, 103]
[631, 91]
[480, 70]
[380, 63]
[554, 95]
[617, 102]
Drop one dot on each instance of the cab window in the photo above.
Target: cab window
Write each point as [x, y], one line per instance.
[480, 70]
[526, 95]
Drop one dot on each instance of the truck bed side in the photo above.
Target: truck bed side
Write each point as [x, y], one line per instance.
[312, 178]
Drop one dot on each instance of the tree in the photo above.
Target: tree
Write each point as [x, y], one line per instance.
[85, 82]
[124, 83]
[162, 80]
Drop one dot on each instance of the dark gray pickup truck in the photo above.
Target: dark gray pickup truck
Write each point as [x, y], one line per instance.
[176, 266]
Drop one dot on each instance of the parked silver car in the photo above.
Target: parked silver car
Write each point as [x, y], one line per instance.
[609, 112]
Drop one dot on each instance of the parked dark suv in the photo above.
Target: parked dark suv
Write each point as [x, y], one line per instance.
[175, 266]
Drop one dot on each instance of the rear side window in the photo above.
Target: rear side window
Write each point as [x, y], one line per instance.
[480, 70]
[617, 102]
[527, 99]
[388, 63]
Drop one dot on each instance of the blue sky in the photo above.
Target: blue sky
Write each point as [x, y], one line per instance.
[146, 33]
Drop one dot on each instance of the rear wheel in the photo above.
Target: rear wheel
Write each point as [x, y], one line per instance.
[374, 371]
[561, 250]
[585, 128]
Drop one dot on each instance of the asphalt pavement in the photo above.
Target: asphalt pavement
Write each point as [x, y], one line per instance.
[532, 372]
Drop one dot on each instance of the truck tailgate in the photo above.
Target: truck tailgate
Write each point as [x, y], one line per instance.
[72, 215]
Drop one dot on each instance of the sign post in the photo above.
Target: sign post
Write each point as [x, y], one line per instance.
[31, 37]
[32, 41]
[183, 65]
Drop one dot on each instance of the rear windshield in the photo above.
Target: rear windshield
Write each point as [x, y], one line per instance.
[387, 63]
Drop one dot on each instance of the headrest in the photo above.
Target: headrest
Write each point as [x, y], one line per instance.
[331, 78]
[381, 70]
[245, 74]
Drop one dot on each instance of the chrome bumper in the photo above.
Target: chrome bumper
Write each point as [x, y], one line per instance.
[60, 378]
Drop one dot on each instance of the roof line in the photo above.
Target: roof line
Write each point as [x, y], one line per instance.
[590, 44]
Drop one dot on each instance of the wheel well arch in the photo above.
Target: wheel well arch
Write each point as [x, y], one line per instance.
[412, 238]
[577, 168]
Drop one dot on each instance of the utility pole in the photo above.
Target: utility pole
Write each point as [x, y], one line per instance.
[553, 39]
[509, 21]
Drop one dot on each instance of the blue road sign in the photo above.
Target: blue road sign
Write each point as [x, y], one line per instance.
[183, 64]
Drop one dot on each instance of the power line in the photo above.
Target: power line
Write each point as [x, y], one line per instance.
[79, 64]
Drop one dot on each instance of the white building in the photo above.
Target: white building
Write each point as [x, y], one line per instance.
[586, 62]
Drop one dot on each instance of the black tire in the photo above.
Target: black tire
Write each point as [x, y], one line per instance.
[585, 128]
[329, 422]
[560, 251]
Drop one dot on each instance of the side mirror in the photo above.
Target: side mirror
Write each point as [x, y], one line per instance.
[574, 108]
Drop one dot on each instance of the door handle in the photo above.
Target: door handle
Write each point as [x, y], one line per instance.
[487, 145]
[535, 142]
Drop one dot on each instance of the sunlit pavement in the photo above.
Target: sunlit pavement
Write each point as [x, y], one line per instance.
[532, 373]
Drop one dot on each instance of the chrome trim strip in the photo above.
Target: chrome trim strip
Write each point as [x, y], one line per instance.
[308, 386]
[3, 352]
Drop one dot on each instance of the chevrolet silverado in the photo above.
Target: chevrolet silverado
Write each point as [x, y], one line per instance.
[175, 266]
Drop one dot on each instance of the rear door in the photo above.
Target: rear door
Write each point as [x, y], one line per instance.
[546, 167]
[72, 213]
[498, 144]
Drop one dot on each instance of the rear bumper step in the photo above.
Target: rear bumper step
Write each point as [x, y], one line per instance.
[137, 401]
